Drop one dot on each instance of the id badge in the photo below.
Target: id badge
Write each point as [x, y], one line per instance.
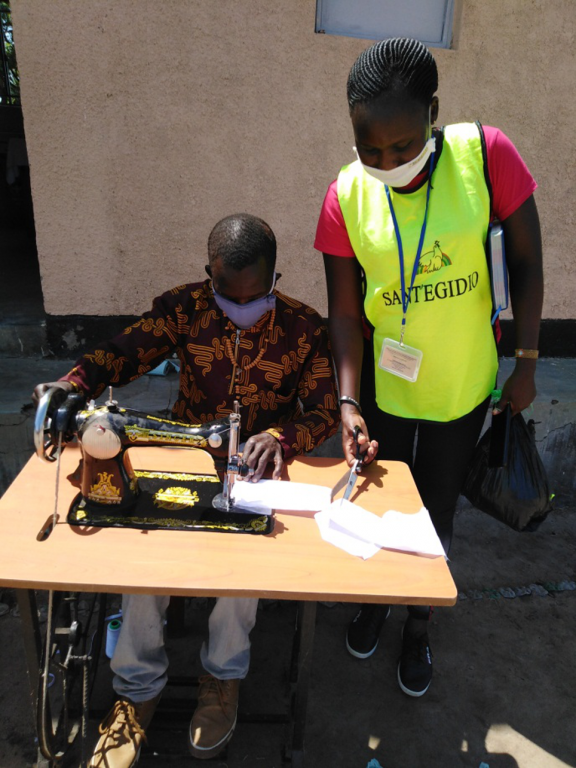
[402, 361]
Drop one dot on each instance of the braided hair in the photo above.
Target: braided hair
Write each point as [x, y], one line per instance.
[395, 65]
[241, 240]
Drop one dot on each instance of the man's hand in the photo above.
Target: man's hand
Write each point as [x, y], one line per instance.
[258, 451]
[368, 448]
[41, 389]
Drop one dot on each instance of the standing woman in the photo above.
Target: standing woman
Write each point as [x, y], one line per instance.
[403, 232]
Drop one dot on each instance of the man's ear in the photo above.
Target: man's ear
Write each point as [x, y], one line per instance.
[278, 276]
[434, 108]
[208, 270]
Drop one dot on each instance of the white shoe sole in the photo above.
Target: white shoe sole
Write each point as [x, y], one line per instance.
[359, 655]
[414, 694]
[205, 753]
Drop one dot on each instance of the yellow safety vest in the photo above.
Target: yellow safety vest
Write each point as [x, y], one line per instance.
[448, 317]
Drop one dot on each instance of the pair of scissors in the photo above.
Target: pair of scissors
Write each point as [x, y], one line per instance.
[350, 478]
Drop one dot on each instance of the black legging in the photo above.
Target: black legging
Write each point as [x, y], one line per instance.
[438, 453]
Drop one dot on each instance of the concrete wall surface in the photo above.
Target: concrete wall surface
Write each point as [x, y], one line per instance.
[147, 122]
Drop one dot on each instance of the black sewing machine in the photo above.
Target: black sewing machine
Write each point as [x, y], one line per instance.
[114, 494]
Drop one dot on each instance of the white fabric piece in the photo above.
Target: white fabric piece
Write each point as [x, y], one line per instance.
[340, 537]
[281, 494]
[409, 533]
[362, 533]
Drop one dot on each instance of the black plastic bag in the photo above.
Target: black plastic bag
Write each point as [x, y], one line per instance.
[517, 494]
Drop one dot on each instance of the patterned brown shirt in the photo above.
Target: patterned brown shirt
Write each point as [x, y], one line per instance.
[280, 370]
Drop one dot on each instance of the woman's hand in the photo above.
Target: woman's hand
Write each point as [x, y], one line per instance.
[351, 418]
[519, 389]
[258, 451]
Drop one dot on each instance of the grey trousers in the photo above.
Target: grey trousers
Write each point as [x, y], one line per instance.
[140, 661]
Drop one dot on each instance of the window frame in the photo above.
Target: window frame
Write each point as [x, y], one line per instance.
[445, 41]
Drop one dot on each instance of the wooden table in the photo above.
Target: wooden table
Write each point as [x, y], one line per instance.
[292, 563]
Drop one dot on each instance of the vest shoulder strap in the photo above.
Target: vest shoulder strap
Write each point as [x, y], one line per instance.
[485, 161]
[495, 322]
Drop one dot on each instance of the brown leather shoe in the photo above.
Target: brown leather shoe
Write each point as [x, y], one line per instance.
[122, 732]
[214, 720]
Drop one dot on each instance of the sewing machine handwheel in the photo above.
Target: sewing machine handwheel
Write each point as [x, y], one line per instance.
[55, 413]
[49, 401]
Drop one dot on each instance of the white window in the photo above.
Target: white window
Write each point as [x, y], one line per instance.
[429, 21]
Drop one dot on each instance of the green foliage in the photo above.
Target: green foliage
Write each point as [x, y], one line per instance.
[9, 77]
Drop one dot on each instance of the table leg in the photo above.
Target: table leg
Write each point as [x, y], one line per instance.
[300, 681]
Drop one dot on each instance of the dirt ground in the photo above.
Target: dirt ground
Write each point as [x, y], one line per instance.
[503, 693]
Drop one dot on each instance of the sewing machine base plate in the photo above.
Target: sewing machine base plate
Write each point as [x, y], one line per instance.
[179, 501]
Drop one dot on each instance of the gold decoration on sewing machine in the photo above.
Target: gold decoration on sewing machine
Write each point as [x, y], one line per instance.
[175, 497]
[157, 475]
[143, 435]
[167, 421]
[258, 523]
[104, 491]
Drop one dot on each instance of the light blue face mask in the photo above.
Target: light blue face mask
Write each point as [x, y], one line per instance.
[246, 315]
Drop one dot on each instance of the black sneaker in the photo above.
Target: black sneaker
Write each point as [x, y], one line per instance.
[415, 665]
[364, 631]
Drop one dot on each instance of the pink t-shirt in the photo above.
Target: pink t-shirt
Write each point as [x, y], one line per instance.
[512, 185]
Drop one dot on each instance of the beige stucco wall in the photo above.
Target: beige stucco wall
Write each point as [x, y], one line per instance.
[146, 122]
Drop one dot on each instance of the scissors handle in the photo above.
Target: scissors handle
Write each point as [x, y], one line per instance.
[359, 457]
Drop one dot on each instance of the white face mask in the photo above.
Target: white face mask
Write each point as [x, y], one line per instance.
[402, 175]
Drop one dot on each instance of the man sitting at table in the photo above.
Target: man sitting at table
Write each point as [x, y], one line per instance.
[237, 338]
